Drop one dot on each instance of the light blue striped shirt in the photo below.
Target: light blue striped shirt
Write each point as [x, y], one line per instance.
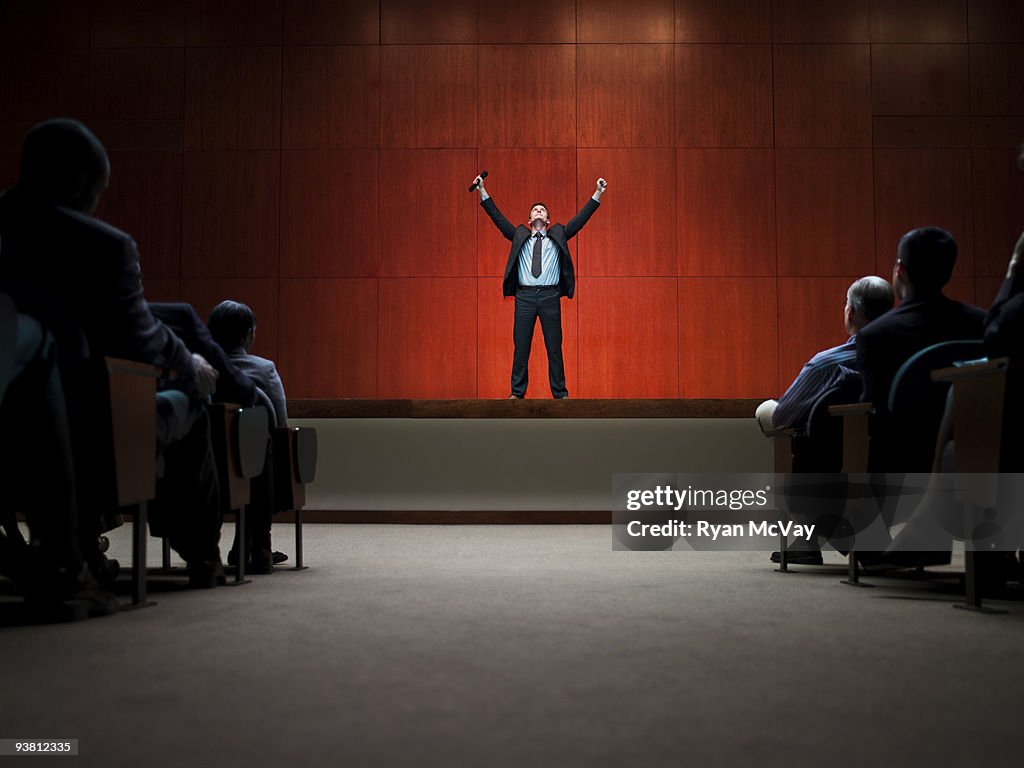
[549, 272]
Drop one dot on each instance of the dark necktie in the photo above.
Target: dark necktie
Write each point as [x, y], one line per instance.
[535, 266]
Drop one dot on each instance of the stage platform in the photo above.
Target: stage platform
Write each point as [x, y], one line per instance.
[523, 409]
[507, 461]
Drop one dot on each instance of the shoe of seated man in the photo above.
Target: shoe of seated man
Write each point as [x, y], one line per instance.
[206, 574]
[63, 598]
[801, 552]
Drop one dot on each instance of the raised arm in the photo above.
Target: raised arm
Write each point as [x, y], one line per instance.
[506, 227]
[576, 223]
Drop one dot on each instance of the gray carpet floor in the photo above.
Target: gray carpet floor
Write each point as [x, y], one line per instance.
[524, 645]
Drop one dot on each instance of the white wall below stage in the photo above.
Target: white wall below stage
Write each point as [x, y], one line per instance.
[526, 465]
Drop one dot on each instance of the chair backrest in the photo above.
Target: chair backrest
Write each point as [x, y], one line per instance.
[239, 437]
[8, 341]
[909, 428]
[131, 408]
[912, 386]
[295, 457]
[305, 455]
[823, 448]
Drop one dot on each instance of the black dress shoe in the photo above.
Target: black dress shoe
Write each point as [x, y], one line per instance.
[206, 574]
[901, 560]
[799, 557]
[279, 557]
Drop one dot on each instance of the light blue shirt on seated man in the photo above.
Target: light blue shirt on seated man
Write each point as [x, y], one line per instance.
[549, 261]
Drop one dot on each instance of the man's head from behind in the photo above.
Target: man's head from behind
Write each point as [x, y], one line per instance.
[232, 325]
[867, 299]
[539, 218]
[924, 261]
[63, 163]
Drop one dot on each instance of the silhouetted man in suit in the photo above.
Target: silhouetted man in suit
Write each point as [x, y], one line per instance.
[538, 273]
[924, 264]
[80, 278]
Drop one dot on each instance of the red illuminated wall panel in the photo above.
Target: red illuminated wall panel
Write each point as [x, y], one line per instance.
[527, 96]
[919, 80]
[725, 212]
[327, 337]
[723, 95]
[331, 97]
[633, 233]
[427, 331]
[919, 21]
[728, 337]
[625, 95]
[825, 211]
[627, 337]
[723, 21]
[427, 96]
[918, 188]
[822, 96]
[330, 222]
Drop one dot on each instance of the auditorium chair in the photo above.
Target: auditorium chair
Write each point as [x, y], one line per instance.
[129, 408]
[240, 437]
[978, 397]
[814, 450]
[295, 459]
[901, 439]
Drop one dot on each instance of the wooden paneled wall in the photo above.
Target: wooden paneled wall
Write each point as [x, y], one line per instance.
[311, 158]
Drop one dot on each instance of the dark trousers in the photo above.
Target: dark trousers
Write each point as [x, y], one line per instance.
[533, 303]
[36, 467]
[188, 508]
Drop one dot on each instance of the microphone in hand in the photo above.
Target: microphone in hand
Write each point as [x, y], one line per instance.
[475, 184]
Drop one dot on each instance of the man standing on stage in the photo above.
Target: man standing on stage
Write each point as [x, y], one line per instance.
[538, 273]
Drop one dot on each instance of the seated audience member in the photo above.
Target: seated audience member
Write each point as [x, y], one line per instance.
[80, 278]
[233, 326]
[37, 479]
[924, 264]
[233, 385]
[938, 515]
[866, 299]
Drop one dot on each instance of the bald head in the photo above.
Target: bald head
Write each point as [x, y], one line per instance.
[64, 163]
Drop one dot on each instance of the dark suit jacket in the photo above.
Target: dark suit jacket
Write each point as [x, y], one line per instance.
[884, 344]
[233, 386]
[1004, 324]
[905, 441]
[560, 235]
[81, 279]
[1004, 336]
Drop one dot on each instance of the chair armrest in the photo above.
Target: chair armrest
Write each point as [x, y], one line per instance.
[971, 370]
[852, 409]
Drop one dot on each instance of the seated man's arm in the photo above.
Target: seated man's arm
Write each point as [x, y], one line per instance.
[138, 334]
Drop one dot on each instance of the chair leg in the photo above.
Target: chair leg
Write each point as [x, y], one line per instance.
[853, 574]
[243, 551]
[165, 548]
[140, 532]
[298, 540]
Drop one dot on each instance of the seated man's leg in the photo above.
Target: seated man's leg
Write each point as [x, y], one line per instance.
[37, 462]
[187, 508]
[765, 413]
